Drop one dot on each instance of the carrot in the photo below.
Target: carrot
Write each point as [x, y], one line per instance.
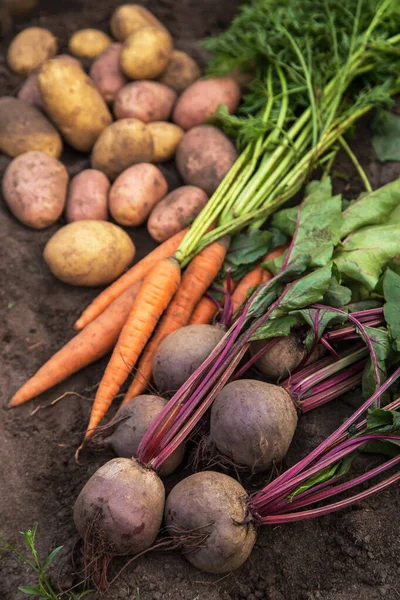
[98, 338]
[155, 293]
[197, 278]
[204, 312]
[135, 273]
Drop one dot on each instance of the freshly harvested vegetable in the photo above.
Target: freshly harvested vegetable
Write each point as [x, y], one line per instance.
[128, 18]
[23, 128]
[121, 145]
[195, 281]
[19, 7]
[89, 345]
[35, 189]
[119, 510]
[213, 506]
[181, 353]
[166, 139]
[201, 99]
[158, 287]
[174, 211]
[73, 103]
[88, 43]
[88, 197]
[146, 53]
[181, 71]
[281, 359]
[131, 422]
[134, 274]
[135, 192]
[204, 157]
[144, 100]
[29, 92]
[204, 312]
[89, 253]
[106, 72]
[30, 48]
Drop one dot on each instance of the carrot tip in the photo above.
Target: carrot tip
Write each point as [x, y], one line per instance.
[78, 325]
[78, 452]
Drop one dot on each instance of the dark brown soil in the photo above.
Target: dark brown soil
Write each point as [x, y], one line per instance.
[347, 556]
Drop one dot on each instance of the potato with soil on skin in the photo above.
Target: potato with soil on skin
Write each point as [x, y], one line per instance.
[181, 353]
[166, 139]
[89, 253]
[73, 103]
[201, 100]
[212, 506]
[131, 423]
[204, 157]
[135, 192]
[146, 53]
[19, 7]
[144, 100]
[35, 189]
[88, 197]
[121, 145]
[128, 18]
[172, 214]
[88, 43]
[253, 423]
[30, 48]
[23, 128]
[106, 72]
[181, 71]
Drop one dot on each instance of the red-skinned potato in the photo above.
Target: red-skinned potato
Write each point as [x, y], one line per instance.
[173, 212]
[181, 71]
[201, 100]
[88, 197]
[144, 100]
[106, 72]
[204, 157]
[135, 192]
[35, 189]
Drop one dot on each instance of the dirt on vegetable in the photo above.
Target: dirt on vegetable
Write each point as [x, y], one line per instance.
[351, 555]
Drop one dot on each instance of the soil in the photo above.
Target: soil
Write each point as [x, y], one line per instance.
[348, 556]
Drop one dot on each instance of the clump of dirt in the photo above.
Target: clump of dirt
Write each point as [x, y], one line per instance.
[348, 556]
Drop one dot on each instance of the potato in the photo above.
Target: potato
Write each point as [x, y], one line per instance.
[106, 72]
[146, 53]
[204, 157]
[136, 191]
[23, 128]
[88, 196]
[121, 145]
[144, 100]
[30, 48]
[29, 92]
[19, 7]
[171, 214]
[166, 139]
[201, 100]
[128, 18]
[35, 189]
[89, 253]
[88, 43]
[73, 103]
[181, 71]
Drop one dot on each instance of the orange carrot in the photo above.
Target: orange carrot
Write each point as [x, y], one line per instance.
[135, 273]
[197, 278]
[204, 312]
[98, 338]
[155, 293]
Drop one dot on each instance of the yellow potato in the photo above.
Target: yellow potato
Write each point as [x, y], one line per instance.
[166, 139]
[19, 7]
[144, 100]
[181, 71]
[23, 128]
[146, 53]
[122, 144]
[31, 48]
[88, 43]
[135, 192]
[89, 253]
[106, 72]
[128, 18]
[73, 102]
[35, 189]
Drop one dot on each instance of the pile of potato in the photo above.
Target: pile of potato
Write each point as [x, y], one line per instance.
[142, 102]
